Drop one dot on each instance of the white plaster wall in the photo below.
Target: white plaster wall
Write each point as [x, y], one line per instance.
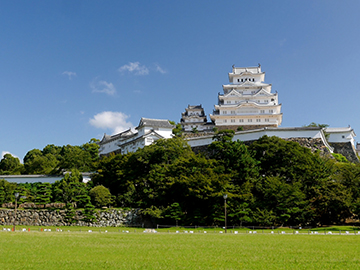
[338, 137]
[255, 135]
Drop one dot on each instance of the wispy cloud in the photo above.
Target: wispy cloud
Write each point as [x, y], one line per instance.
[70, 74]
[3, 153]
[160, 69]
[115, 121]
[135, 68]
[103, 87]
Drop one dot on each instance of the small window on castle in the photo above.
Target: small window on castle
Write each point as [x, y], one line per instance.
[266, 120]
[228, 102]
[258, 120]
[238, 80]
[232, 112]
[343, 136]
[249, 120]
[241, 120]
[271, 111]
[225, 121]
[262, 111]
[232, 120]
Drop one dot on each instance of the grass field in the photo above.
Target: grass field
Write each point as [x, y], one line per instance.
[116, 249]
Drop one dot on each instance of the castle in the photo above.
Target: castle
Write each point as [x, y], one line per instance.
[247, 106]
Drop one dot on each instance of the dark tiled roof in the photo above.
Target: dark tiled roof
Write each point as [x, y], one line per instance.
[162, 123]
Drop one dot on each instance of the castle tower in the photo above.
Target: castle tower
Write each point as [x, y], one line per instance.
[247, 101]
[194, 118]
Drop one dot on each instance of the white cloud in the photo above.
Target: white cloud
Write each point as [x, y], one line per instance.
[3, 153]
[103, 87]
[69, 74]
[159, 69]
[135, 67]
[116, 121]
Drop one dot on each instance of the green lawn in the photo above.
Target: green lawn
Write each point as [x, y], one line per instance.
[169, 250]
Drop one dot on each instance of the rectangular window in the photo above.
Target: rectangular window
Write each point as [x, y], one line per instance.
[271, 111]
[232, 112]
[232, 120]
[262, 111]
[266, 101]
[225, 121]
[266, 120]
[258, 120]
[228, 102]
[249, 120]
[241, 120]
[224, 112]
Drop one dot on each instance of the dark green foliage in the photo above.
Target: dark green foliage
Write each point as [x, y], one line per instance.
[2, 195]
[272, 182]
[313, 124]
[8, 190]
[100, 196]
[89, 212]
[174, 211]
[71, 190]
[70, 214]
[41, 162]
[55, 159]
[43, 194]
[224, 135]
[178, 130]
[10, 165]
[339, 157]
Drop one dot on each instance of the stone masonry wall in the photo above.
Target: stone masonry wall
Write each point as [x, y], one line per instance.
[347, 150]
[312, 144]
[108, 217]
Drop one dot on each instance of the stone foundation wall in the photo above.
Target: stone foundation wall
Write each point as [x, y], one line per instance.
[312, 144]
[108, 217]
[347, 150]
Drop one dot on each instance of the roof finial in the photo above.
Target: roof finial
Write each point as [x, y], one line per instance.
[259, 65]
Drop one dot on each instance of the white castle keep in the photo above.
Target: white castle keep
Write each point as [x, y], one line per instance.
[247, 101]
[247, 105]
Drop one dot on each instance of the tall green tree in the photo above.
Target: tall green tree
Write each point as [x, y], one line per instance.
[10, 165]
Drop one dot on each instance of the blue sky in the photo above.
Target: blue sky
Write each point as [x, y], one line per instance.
[74, 70]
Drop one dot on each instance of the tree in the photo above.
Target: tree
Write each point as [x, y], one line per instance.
[323, 126]
[224, 135]
[313, 124]
[8, 190]
[71, 190]
[240, 213]
[36, 162]
[177, 130]
[10, 165]
[43, 194]
[100, 196]
[174, 212]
